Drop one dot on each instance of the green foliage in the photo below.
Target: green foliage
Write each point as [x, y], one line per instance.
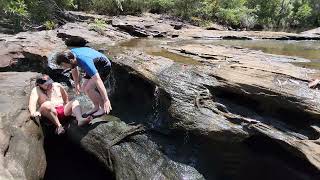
[237, 17]
[134, 7]
[17, 7]
[301, 13]
[266, 11]
[65, 3]
[315, 15]
[161, 6]
[232, 4]
[98, 25]
[50, 25]
[304, 12]
[116, 7]
[234, 13]
[16, 12]
[105, 7]
[25, 14]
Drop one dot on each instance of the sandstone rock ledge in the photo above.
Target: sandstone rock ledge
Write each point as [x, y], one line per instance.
[21, 139]
[232, 96]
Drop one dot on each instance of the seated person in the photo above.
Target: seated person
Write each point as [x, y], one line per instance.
[54, 103]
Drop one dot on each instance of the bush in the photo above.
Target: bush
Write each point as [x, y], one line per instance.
[238, 17]
[116, 7]
[161, 6]
[50, 25]
[301, 14]
[105, 7]
[99, 26]
[235, 13]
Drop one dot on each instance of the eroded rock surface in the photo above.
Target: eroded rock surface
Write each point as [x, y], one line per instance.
[243, 35]
[28, 50]
[148, 25]
[236, 94]
[230, 94]
[151, 25]
[79, 34]
[315, 31]
[21, 139]
[128, 152]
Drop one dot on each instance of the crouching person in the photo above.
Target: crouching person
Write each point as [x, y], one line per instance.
[53, 103]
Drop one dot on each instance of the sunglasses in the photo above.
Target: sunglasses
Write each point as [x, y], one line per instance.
[44, 82]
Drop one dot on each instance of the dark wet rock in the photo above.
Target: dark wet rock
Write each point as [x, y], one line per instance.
[237, 94]
[297, 38]
[236, 38]
[129, 153]
[79, 34]
[177, 25]
[21, 139]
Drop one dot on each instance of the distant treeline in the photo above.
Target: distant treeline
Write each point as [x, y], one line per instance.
[248, 14]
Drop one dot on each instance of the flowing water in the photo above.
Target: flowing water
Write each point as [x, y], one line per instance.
[135, 101]
[216, 160]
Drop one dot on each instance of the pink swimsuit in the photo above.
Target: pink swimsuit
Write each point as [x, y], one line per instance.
[60, 112]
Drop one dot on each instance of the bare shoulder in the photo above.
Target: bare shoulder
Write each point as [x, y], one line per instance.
[36, 91]
[56, 84]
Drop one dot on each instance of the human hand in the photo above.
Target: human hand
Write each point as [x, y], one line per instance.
[313, 83]
[107, 106]
[36, 114]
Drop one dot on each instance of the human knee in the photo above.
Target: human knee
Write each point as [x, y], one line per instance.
[75, 103]
[45, 107]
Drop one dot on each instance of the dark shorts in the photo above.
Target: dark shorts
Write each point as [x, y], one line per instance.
[103, 68]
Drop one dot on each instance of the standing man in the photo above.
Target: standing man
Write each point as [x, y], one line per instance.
[54, 103]
[96, 67]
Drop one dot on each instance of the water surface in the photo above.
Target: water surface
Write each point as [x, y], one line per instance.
[303, 49]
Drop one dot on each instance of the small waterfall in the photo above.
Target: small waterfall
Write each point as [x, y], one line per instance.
[155, 113]
[110, 83]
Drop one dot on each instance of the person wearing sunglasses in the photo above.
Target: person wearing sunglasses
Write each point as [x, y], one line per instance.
[54, 103]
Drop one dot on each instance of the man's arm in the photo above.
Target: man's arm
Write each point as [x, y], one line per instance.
[75, 74]
[33, 100]
[64, 94]
[314, 83]
[102, 89]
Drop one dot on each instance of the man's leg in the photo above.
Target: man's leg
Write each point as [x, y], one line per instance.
[84, 84]
[73, 108]
[104, 71]
[87, 88]
[48, 111]
[94, 96]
